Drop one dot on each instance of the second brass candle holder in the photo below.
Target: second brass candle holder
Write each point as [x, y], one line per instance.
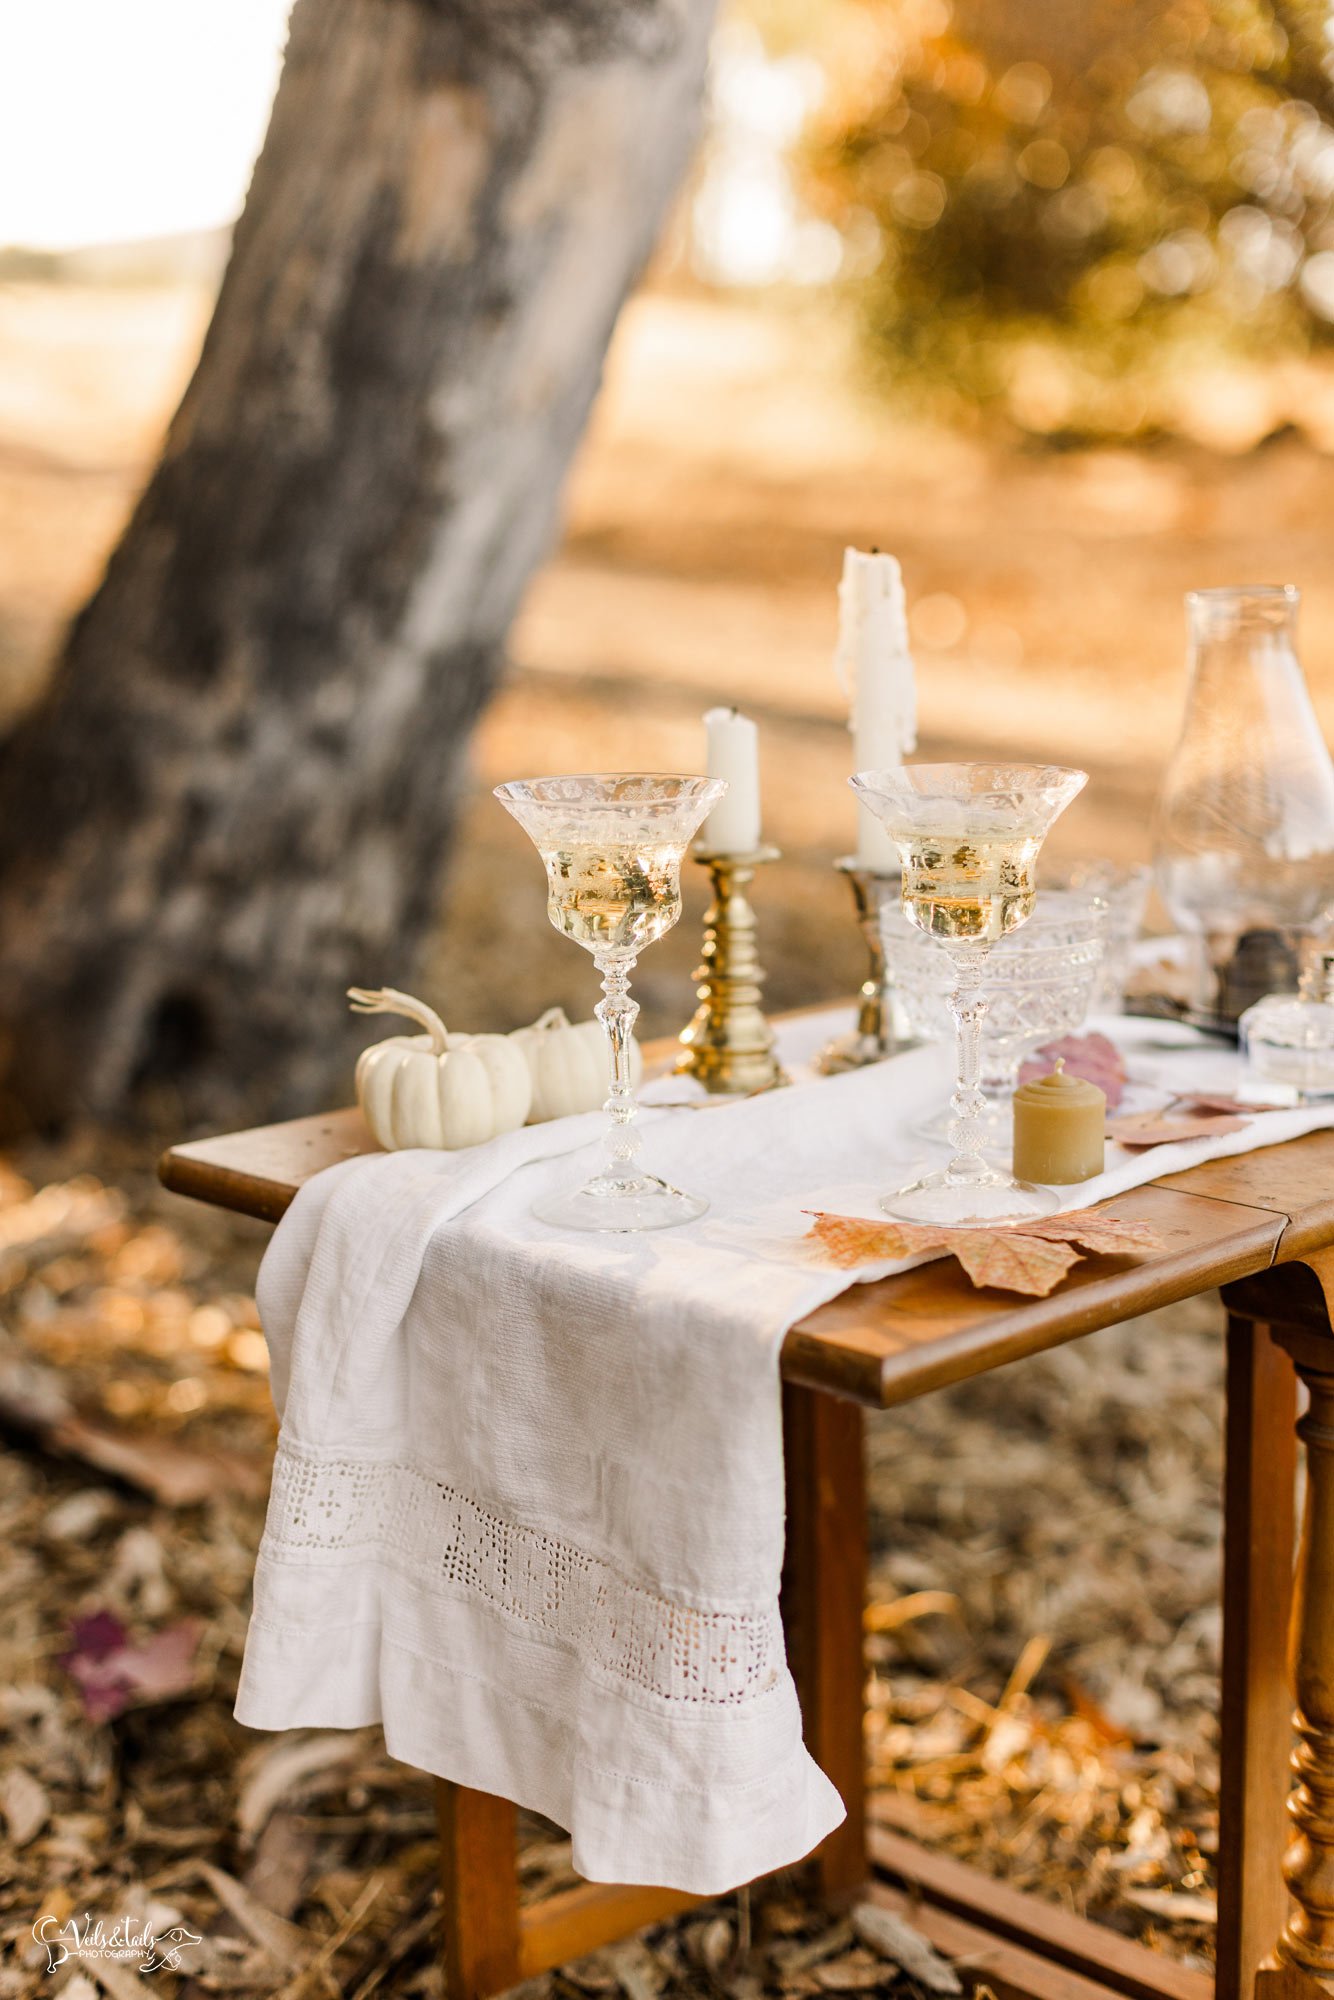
[875, 1035]
[729, 1044]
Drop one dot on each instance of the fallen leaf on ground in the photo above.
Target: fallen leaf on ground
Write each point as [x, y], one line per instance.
[113, 1675]
[287, 1944]
[1172, 1903]
[892, 1938]
[35, 1403]
[278, 1772]
[25, 1805]
[121, 1981]
[1092, 1057]
[800, 1955]
[637, 1972]
[170, 1472]
[1148, 1128]
[855, 1972]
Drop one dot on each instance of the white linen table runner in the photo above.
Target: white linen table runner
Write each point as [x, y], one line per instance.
[527, 1507]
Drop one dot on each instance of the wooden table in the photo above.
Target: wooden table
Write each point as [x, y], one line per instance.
[1262, 1227]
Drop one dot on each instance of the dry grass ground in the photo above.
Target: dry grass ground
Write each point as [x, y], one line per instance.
[1043, 1641]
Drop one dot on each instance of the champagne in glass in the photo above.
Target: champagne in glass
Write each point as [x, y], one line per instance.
[971, 888]
[968, 837]
[612, 844]
[613, 898]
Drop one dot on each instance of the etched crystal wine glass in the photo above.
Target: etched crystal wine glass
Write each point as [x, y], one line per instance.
[613, 843]
[968, 837]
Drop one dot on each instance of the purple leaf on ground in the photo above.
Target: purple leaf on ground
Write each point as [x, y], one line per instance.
[95, 1637]
[111, 1675]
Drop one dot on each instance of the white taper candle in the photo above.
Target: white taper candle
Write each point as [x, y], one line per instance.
[733, 827]
[874, 663]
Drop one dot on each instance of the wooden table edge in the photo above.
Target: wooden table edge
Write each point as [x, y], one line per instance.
[856, 1366]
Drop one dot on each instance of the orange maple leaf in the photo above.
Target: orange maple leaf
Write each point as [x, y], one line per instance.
[1094, 1229]
[1010, 1262]
[850, 1240]
[1031, 1258]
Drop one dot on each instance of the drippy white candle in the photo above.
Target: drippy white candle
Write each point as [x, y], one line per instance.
[874, 664]
[733, 827]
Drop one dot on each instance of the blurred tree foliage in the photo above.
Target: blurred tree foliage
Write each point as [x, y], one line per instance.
[1050, 207]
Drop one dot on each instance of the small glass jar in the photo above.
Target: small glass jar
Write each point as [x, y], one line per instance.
[1288, 1038]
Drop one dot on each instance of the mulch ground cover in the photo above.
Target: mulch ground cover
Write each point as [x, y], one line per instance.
[1042, 1646]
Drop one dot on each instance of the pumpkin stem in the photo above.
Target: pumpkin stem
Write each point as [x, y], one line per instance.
[388, 1000]
[555, 1017]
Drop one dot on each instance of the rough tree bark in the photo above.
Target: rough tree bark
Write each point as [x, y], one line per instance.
[237, 793]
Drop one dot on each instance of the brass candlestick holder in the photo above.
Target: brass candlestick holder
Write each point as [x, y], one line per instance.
[875, 1035]
[729, 1045]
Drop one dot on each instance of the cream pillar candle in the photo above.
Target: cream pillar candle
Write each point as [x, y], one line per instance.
[1059, 1122]
[876, 667]
[733, 827]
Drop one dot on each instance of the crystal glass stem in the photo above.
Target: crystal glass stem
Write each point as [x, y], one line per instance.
[618, 1014]
[969, 1006]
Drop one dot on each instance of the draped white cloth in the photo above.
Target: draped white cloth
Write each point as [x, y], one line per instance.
[528, 1503]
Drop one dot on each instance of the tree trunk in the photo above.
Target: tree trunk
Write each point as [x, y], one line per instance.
[236, 796]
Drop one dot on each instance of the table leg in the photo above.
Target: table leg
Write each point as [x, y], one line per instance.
[479, 1891]
[824, 1591]
[1259, 1520]
[1295, 1299]
[1307, 1941]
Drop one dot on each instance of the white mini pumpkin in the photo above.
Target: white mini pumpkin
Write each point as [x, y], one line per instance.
[568, 1064]
[437, 1089]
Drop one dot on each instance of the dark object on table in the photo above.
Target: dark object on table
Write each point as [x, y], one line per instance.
[1165, 1007]
[1264, 962]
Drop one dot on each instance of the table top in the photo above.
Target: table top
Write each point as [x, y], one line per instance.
[888, 1342]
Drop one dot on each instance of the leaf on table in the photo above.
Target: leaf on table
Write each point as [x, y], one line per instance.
[853, 1239]
[1094, 1230]
[1009, 1262]
[1031, 1258]
[1197, 1102]
[1093, 1057]
[1149, 1128]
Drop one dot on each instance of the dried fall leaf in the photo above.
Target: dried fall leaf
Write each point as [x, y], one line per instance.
[1194, 1101]
[1009, 1262]
[25, 1805]
[280, 1771]
[1178, 1908]
[1031, 1260]
[1093, 1057]
[1092, 1229]
[849, 1240]
[1150, 1129]
[892, 1937]
[113, 1675]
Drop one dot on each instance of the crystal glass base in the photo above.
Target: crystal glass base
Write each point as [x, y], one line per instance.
[982, 1201]
[639, 1201]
